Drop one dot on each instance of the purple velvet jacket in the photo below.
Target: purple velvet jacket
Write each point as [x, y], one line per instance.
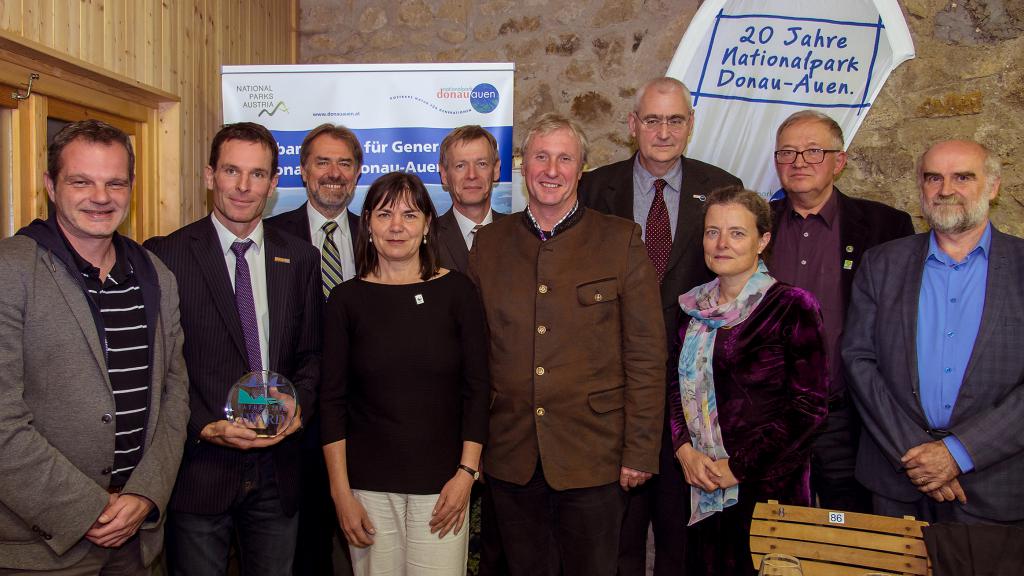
[771, 384]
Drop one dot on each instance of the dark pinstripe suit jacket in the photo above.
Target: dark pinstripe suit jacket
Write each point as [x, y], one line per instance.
[880, 351]
[451, 246]
[210, 475]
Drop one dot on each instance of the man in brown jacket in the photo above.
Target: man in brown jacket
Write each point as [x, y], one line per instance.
[577, 360]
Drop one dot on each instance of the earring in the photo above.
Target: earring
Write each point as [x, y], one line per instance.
[371, 239]
[424, 238]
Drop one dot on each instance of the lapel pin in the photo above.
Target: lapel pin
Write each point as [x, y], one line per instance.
[419, 299]
[282, 260]
[700, 197]
[849, 249]
[847, 264]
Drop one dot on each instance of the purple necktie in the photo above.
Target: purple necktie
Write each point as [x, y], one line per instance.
[658, 235]
[246, 305]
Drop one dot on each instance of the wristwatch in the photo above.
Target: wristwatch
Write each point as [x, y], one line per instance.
[470, 471]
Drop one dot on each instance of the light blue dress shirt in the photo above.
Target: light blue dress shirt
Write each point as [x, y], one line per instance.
[643, 194]
[948, 318]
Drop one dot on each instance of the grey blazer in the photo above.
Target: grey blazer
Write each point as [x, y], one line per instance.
[451, 246]
[55, 407]
[880, 351]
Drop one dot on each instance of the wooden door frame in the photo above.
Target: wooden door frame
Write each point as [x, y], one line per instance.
[74, 89]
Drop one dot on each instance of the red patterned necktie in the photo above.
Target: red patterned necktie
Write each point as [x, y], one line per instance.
[658, 235]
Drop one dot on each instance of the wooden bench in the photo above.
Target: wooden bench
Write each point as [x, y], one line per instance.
[832, 543]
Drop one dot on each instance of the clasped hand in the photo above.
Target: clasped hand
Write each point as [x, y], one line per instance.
[932, 469]
[120, 520]
[703, 472]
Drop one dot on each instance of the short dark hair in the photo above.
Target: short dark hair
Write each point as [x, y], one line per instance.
[466, 134]
[386, 191]
[248, 132]
[338, 132]
[95, 131]
[748, 199]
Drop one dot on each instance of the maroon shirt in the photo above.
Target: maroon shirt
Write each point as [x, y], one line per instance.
[806, 254]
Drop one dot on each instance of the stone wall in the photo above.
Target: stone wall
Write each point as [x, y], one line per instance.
[586, 58]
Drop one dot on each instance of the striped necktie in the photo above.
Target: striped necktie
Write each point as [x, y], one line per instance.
[330, 259]
[472, 234]
[247, 305]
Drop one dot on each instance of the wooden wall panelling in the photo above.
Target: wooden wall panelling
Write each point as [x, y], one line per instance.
[175, 47]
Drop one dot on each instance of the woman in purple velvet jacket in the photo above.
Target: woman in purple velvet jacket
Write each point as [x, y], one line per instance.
[752, 389]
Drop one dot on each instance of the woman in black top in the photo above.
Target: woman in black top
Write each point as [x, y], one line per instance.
[405, 390]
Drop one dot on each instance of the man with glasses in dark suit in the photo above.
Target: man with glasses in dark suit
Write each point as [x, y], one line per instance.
[819, 236]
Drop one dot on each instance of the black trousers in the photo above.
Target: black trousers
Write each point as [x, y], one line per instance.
[318, 522]
[548, 532]
[833, 460]
[663, 502]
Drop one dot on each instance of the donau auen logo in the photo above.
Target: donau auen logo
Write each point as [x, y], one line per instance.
[482, 98]
[260, 96]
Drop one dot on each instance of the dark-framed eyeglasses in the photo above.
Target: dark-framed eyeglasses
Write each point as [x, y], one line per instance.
[810, 156]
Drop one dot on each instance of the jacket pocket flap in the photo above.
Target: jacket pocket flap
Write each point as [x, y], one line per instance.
[597, 291]
[607, 400]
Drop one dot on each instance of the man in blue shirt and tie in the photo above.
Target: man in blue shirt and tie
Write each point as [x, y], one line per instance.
[934, 353]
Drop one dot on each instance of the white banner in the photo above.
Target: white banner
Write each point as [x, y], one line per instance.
[752, 63]
[400, 112]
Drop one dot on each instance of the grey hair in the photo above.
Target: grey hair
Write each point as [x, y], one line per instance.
[663, 85]
[813, 115]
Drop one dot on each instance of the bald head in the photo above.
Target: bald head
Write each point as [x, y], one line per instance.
[958, 179]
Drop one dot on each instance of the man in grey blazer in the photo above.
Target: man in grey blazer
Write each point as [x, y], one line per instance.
[93, 390]
[469, 167]
[933, 353]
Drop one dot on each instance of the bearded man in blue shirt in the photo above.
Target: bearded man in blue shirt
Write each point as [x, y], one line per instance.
[933, 353]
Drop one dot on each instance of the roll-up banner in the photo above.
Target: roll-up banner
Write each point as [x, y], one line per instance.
[751, 63]
[400, 112]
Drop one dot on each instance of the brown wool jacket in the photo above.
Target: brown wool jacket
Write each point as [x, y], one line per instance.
[577, 350]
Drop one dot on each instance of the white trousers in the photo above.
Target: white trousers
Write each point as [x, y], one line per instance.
[403, 544]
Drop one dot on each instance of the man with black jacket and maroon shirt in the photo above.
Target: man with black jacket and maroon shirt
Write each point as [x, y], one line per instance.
[819, 235]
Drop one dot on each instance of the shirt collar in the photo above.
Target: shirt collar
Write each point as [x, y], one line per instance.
[568, 221]
[981, 248]
[317, 220]
[644, 180]
[466, 225]
[227, 237]
[119, 272]
[828, 211]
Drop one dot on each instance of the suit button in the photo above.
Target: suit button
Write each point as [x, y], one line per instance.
[540, 370]
[598, 297]
[542, 329]
[47, 537]
[543, 288]
[106, 471]
[107, 418]
[35, 529]
[540, 411]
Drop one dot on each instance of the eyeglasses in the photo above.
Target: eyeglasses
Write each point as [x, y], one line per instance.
[810, 156]
[652, 123]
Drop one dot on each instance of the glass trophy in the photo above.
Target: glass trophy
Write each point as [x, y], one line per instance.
[263, 401]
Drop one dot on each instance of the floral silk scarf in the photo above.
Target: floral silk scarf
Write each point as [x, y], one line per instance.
[696, 377]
